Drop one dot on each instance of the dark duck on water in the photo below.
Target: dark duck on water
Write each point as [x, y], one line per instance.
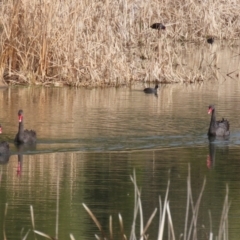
[151, 90]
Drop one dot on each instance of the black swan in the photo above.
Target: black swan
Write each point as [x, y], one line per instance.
[24, 136]
[217, 128]
[158, 26]
[151, 90]
[4, 150]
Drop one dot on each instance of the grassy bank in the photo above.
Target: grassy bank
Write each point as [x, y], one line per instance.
[102, 43]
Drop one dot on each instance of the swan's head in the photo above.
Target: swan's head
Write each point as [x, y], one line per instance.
[210, 109]
[20, 115]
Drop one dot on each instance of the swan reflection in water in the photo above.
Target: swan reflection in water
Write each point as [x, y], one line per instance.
[23, 148]
[219, 146]
[211, 155]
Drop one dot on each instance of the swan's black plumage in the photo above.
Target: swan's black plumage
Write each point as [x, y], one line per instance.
[24, 136]
[217, 128]
[4, 150]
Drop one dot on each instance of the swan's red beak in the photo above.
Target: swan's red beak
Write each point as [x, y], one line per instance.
[20, 118]
[209, 110]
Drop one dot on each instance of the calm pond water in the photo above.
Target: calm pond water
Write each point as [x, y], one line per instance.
[93, 139]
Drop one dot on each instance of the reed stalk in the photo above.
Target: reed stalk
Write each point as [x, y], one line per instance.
[5, 215]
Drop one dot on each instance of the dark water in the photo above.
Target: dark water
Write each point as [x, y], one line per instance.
[91, 140]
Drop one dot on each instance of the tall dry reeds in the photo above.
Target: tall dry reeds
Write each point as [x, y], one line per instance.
[106, 42]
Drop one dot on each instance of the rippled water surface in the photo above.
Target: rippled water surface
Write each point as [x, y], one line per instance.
[91, 140]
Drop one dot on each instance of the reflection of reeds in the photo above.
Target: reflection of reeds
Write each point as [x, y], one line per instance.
[165, 218]
[4, 231]
[5, 214]
[57, 217]
[107, 43]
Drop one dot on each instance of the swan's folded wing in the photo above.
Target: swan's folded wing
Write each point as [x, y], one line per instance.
[29, 136]
[224, 124]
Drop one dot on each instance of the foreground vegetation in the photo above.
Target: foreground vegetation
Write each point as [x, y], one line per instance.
[101, 43]
[165, 222]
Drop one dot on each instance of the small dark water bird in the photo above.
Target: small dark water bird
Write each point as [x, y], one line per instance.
[210, 40]
[24, 136]
[217, 128]
[151, 90]
[158, 26]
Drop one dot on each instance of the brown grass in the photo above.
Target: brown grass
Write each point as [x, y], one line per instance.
[96, 43]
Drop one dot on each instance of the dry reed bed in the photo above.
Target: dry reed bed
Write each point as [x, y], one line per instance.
[99, 43]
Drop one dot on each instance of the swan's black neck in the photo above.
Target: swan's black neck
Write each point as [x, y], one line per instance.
[212, 127]
[21, 127]
[213, 118]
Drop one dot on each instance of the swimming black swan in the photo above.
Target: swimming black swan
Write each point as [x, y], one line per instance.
[4, 150]
[217, 128]
[24, 136]
[151, 90]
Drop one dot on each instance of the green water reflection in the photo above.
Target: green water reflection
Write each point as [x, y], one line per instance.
[93, 139]
[101, 180]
